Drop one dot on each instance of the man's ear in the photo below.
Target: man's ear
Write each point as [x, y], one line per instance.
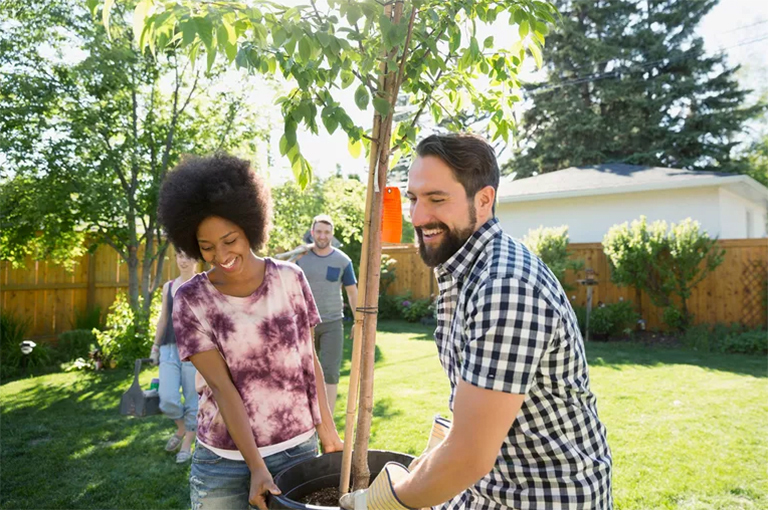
[484, 201]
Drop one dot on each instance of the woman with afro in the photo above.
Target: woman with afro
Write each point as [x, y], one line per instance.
[246, 325]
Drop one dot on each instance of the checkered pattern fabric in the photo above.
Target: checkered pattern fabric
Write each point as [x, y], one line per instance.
[505, 324]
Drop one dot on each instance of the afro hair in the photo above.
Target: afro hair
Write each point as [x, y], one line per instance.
[218, 185]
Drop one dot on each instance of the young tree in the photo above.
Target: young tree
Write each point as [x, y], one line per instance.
[427, 49]
[550, 244]
[90, 131]
[629, 81]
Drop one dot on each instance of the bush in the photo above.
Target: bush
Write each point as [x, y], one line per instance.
[389, 307]
[415, 310]
[611, 320]
[728, 339]
[122, 342]
[74, 344]
[673, 318]
[88, 319]
[551, 246]
[13, 360]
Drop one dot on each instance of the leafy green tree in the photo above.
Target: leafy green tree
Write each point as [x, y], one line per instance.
[427, 49]
[629, 81]
[90, 127]
[664, 262]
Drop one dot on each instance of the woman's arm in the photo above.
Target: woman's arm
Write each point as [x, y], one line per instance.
[214, 370]
[162, 321]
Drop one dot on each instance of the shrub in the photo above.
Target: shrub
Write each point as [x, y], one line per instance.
[387, 273]
[662, 262]
[389, 307]
[600, 323]
[551, 246]
[122, 342]
[88, 319]
[746, 342]
[75, 344]
[13, 360]
[729, 339]
[611, 320]
[415, 310]
[673, 318]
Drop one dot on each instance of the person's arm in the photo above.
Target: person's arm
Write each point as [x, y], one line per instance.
[214, 370]
[352, 296]
[326, 429]
[481, 421]
[161, 323]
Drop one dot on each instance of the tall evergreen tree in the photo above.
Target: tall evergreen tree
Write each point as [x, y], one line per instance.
[629, 81]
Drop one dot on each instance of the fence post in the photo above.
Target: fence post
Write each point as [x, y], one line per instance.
[90, 300]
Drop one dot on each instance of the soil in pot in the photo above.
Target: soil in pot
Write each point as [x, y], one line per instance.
[324, 497]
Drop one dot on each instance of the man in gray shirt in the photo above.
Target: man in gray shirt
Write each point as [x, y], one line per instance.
[327, 270]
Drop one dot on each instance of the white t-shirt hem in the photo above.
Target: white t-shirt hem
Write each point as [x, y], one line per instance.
[265, 451]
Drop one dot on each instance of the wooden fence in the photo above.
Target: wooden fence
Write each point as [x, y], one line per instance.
[50, 297]
[732, 293]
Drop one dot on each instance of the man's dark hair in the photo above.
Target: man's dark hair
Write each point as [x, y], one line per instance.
[218, 185]
[471, 158]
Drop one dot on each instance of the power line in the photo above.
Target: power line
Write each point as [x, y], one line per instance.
[617, 74]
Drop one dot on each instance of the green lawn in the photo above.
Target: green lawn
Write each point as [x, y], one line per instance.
[687, 430]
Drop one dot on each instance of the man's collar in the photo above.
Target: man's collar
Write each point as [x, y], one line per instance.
[460, 262]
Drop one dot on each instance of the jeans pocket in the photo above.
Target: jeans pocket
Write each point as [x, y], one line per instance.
[203, 455]
[332, 274]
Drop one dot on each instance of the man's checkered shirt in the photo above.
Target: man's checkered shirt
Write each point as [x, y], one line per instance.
[504, 323]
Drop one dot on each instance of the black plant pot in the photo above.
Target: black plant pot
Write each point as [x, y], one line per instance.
[323, 472]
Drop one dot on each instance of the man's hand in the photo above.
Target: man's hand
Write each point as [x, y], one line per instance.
[381, 494]
[261, 484]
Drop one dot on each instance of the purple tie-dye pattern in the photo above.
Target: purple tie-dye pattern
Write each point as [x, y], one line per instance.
[267, 344]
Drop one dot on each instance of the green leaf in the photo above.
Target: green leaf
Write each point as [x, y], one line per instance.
[204, 30]
[329, 119]
[488, 43]
[105, 16]
[523, 30]
[231, 34]
[305, 49]
[454, 42]
[188, 31]
[361, 97]
[324, 38]
[140, 13]
[354, 13]
[354, 147]
[381, 105]
[347, 77]
[211, 54]
[536, 52]
[283, 145]
[519, 16]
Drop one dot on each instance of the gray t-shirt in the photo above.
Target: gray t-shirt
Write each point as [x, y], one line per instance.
[326, 275]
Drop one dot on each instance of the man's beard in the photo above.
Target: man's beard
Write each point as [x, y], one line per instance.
[322, 244]
[452, 242]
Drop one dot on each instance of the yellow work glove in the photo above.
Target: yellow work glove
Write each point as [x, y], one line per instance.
[381, 494]
[440, 428]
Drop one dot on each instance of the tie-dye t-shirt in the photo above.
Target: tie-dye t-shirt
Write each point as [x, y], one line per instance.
[266, 341]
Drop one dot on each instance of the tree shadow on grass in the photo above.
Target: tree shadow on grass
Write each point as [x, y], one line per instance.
[616, 355]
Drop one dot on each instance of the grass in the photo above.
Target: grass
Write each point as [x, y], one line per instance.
[687, 430]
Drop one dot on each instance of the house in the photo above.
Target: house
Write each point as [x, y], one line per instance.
[592, 199]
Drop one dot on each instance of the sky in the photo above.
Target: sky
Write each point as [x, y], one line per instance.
[738, 27]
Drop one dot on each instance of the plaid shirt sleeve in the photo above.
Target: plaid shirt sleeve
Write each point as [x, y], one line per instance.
[509, 327]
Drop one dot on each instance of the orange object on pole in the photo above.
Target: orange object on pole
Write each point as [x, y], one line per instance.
[392, 216]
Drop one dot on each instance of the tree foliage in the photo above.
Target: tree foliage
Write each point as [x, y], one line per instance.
[551, 246]
[629, 81]
[90, 127]
[433, 47]
[665, 262]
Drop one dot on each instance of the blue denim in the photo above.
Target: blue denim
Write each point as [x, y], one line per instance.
[217, 483]
[175, 374]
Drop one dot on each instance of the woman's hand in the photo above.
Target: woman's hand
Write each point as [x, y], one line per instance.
[261, 484]
[333, 444]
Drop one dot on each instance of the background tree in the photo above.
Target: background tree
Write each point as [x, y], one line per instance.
[629, 81]
[90, 126]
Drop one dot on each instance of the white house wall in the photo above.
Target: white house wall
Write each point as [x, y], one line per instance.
[734, 217]
[589, 218]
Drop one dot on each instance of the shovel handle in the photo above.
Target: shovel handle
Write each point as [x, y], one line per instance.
[137, 368]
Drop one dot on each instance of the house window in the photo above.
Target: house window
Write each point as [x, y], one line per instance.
[749, 225]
